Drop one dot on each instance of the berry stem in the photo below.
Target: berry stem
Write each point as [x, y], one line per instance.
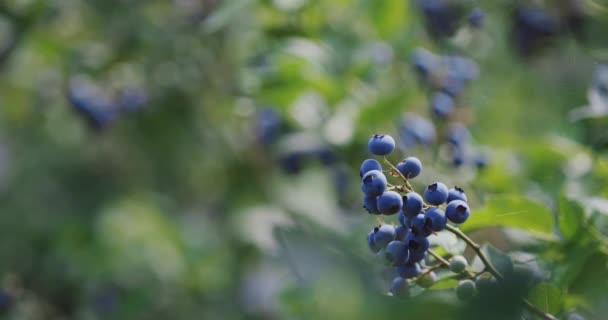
[477, 248]
[408, 186]
[439, 258]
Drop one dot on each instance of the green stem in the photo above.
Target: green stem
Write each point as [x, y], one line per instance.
[408, 186]
[477, 249]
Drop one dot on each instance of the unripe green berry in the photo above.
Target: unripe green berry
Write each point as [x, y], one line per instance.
[458, 264]
[465, 289]
[427, 280]
[485, 282]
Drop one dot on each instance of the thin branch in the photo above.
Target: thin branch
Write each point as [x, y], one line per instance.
[534, 309]
[408, 186]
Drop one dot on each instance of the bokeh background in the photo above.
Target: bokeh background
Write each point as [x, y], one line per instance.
[198, 159]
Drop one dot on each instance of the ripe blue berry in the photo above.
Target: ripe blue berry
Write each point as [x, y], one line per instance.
[389, 202]
[408, 270]
[442, 104]
[465, 289]
[396, 253]
[416, 257]
[383, 234]
[416, 130]
[419, 226]
[458, 264]
[476, 18]
[435, 219]
[458, 134]
[370, 204]
[412, 204]
[457, 211]
[371, 242]
[456, 193]
[373, 183]
[401, 232]
[381, 145]
[427, 280]
[399, 287]
[417, 244]
[403, 219]
[436, 193]
[369, 165]
[410, 167]
[424, 61]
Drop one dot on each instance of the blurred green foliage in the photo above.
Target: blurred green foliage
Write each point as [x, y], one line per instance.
[177, 211]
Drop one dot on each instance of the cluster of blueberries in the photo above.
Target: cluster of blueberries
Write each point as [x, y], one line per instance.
[100, 109]
[406, 245]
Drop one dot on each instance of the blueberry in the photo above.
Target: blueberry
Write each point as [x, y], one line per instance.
[291, 163]
[369, 165]
[416, 257]
[458, 134]
[382, 235]
[410, 167]
[416, 243]
[399, 287]
[87, 99]
[373, 183]
[457, 211]
[396, 253]
[458, 264]
[442, 17]
[389, 202]
[403, 220]
[424, 62]
[477, 17]
[381, 145]
[481, 160]
[420, 227]
[326, 156]
[435, 219]
[408, 270]
[370, 204]
[427, 279]
[132, 99]
[401, 232]
[462, 68]
[416, 130]
[456, 193]
[465, 289]
[442, 104]
[371, 242]
[458, 155]
[412, 204]
[436, 193]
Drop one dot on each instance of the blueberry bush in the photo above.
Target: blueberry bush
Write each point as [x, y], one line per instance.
[191, 159]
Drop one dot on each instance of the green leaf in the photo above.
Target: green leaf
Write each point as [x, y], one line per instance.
[547, 298]
[571, 217]
[500, 260]
[512, 211]
[445, 283]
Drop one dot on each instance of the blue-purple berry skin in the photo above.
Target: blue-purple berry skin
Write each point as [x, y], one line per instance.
[412, 204]
[396, 253]
[456, 193]
[436, 193]
[399, 287]
[373, 183]
[435, 219]
[389, 203]
[416, 257]
[416, 243]
[408, 270]
[370, 204]
[457, 211]
[477, 17]
[381, 145]
[442, 104]
[372, 243]
[401, 232]
[402, 219]
[419, 226]
[410, 167]
[383, 235]
[369, 165]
